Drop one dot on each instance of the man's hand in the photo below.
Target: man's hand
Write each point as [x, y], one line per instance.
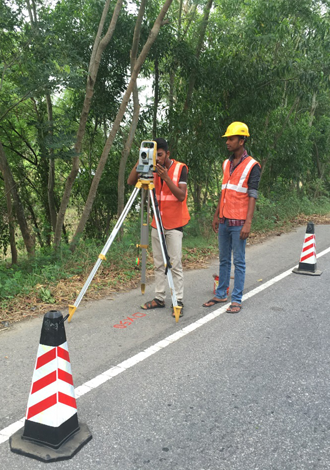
[215, 224]
[246, 229]
[161, 172]
[245, 232]
[178, 191]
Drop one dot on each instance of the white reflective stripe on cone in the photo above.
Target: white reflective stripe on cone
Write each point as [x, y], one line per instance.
[52, 399]
[308, 254]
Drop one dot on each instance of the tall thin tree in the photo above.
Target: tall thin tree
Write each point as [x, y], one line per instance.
[105, 153]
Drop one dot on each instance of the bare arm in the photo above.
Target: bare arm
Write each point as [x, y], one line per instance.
[245, 232]
[133, 176]
[215, 222]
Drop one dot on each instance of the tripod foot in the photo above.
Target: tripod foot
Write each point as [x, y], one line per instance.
[72, 309]
[177, 312]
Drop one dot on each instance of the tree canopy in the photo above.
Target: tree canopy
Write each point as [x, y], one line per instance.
[72, 113]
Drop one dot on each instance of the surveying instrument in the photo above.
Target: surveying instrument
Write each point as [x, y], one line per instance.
[145, 169]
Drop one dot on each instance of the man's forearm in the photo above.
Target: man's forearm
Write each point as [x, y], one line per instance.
[217, 211]
[215, 222]
[245, 232]
[178, 192]
[250, 211]
[133, 176]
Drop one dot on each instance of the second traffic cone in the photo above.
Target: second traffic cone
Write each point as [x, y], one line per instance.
[307, 264]
[51, 431]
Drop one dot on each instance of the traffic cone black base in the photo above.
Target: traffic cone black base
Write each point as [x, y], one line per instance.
[48, 435]
[67, 450]
[301, 270]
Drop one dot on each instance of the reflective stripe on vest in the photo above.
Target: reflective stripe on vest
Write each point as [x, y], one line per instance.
[170, 197]
[238, 187]
[176, 173]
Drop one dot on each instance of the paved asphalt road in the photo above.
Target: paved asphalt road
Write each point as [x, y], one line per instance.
[233, 392]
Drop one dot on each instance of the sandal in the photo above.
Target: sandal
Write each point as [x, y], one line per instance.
[180, 304]
[214, 302]
[154, 303]
[234, 308]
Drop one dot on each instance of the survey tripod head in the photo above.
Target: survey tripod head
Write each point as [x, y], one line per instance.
[147, 159]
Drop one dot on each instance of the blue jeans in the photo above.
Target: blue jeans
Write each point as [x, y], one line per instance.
[229, 241]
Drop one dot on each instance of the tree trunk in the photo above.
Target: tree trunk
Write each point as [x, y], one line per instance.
[51, 175]
[197, 193]
[103, 159]
[171, 101]
[313, 109]
[32, 12]
[136, 112]
[198, 52]
[124, 156]
[7, 175]
[43, 166]
[318, 162]
[11, 223]
[98, 48]
[317, 157]
[263, 166]
[193, 75]
[156, 99]
[35, 223]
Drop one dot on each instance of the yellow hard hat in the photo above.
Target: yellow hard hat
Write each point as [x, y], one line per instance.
[237, 128]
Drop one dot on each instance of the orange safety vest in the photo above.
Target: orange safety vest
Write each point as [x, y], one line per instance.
[173, 212]
[234, 196]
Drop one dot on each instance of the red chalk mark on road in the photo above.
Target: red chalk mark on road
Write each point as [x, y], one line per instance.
[129, 320]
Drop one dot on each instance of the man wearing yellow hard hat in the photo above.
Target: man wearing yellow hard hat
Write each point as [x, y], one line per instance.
[233, 216]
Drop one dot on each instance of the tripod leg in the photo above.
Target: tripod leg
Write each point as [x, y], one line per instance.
[167, 264]
[144, 238]
[73, 308]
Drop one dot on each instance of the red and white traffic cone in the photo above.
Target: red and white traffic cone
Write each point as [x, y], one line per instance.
[307, 264]
[51, 431]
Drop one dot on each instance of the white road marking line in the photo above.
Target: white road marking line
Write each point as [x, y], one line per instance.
[141, 356]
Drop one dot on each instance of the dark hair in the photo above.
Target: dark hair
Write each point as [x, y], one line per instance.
[242, 137]
[161, 144]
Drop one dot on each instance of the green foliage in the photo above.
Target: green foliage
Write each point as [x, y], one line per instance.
[12, 283]
[281, 208]
[46, 296]
[264, 62]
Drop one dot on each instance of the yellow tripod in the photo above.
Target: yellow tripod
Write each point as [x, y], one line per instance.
[147, 187]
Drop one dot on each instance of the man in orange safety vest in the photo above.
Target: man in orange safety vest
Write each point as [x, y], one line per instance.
[233, 216]
[170, 180]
